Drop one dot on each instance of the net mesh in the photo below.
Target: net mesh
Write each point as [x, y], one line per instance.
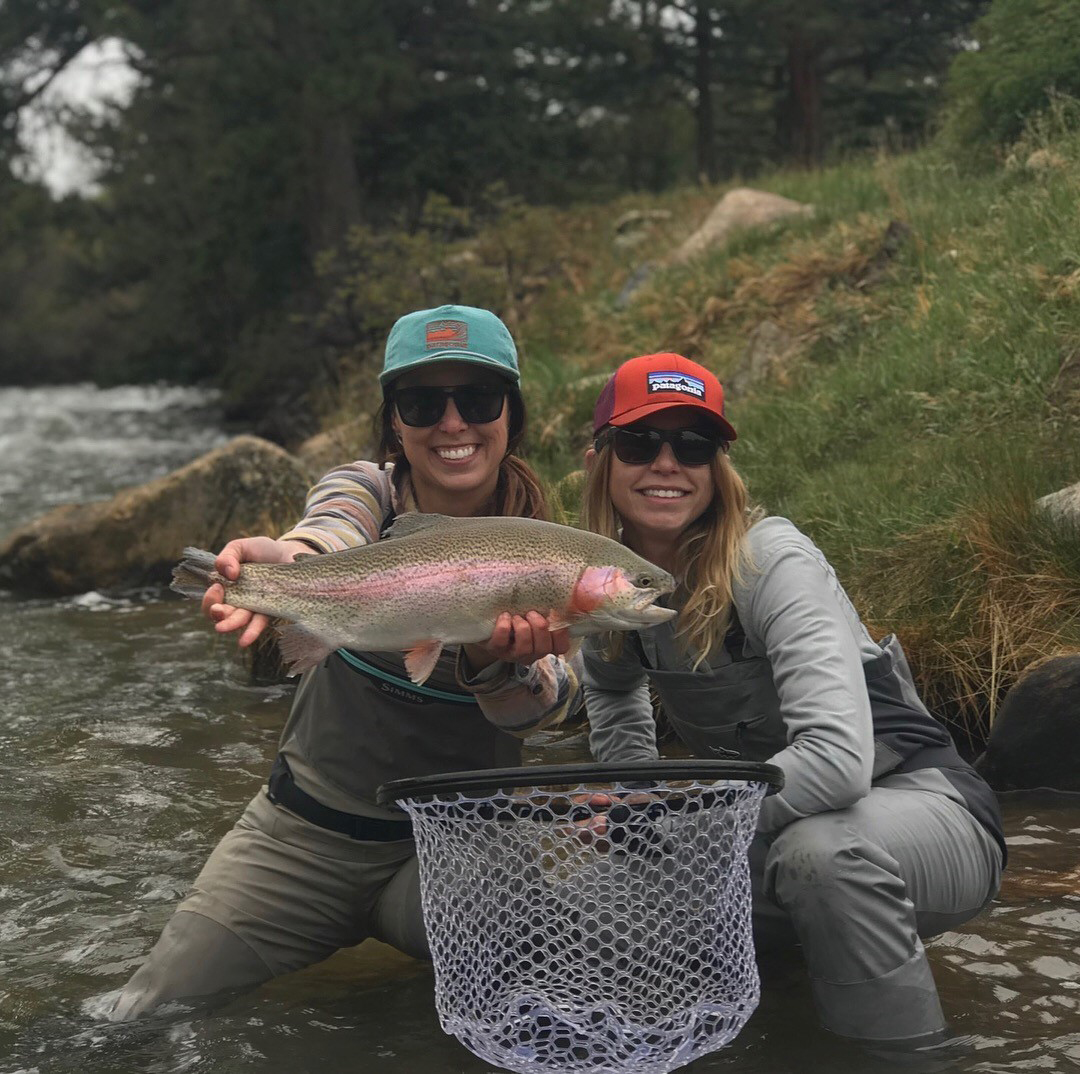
[581, 929]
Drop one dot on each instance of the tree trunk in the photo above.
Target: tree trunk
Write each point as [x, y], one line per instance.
[332, 194]
[334, 200]
[706, 133]
[803, 111]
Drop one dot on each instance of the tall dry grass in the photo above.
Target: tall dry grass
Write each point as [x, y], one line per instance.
[976, 599]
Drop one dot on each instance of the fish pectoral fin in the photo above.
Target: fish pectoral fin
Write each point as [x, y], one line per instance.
[421, 659]
[557, 622]
[301, 648]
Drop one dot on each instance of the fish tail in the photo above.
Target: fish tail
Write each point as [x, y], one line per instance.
[195, 573]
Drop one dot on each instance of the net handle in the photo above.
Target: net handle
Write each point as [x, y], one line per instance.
[507, 780]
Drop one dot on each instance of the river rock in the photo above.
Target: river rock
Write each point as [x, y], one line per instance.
[735, 211]
[1035, 739]
[248, 486]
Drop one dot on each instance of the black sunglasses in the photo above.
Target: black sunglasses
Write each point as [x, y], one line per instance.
[476, 403]
[635, 447]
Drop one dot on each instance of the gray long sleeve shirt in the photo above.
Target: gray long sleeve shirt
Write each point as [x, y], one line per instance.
[808, 689]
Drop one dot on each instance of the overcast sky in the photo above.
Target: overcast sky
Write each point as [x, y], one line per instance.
[99, 74]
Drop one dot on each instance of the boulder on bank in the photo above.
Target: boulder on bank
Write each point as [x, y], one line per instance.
[1035, 740]
[768, 352]
[247, 486]
[736, 211]
[1063, 505]
[342, 444]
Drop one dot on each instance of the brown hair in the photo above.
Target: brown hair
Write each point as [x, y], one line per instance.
[517, 493]
[711, 554]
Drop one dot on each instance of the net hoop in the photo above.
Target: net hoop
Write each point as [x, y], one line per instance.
[487, 781]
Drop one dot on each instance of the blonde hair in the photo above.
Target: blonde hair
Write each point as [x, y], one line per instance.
[710, 557]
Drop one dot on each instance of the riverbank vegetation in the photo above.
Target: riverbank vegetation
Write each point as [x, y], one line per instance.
[904, 362]
[928, 390]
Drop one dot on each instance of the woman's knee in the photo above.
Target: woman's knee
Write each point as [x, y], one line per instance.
[824, 860]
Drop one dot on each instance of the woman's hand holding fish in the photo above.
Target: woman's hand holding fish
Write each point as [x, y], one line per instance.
[225, 617]
[520, 640]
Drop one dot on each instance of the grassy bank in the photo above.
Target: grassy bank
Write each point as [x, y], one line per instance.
[930, 395]
[926, 407]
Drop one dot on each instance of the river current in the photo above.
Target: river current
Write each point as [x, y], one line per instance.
[130, 740]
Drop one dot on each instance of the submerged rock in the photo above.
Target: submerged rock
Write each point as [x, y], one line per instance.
[247, 486]
[1035, 740]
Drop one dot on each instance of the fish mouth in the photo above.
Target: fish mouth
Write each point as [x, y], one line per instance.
[651, 614]
[640, 612]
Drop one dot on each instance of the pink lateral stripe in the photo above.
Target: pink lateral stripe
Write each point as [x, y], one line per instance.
[420, 578]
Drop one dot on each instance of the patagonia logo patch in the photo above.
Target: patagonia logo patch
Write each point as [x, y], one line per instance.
[681, 383]
[443, 334]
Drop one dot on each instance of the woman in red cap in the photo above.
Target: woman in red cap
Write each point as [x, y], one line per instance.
[882, 834]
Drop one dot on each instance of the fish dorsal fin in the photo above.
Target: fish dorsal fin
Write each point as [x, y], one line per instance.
[415, 522]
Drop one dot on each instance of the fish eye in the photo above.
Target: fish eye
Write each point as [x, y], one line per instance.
[644, 581]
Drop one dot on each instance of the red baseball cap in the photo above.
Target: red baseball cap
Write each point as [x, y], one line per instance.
[653, 382]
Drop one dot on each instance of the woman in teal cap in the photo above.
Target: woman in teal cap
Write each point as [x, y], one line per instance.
[314, 864]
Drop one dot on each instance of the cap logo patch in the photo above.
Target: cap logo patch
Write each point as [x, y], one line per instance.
[680, 383]
[441, 335]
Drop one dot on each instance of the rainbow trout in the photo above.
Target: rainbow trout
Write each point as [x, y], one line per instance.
[434, 580]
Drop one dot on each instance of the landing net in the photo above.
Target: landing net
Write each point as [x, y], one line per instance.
[595, 925]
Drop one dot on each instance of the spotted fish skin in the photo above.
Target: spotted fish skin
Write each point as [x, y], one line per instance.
[434, 580]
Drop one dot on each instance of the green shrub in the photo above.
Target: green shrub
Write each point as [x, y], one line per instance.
[1028, 50]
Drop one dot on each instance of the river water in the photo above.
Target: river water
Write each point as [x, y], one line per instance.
[130, 740]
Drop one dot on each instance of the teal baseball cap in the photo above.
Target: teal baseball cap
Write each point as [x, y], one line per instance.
[450, 333]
